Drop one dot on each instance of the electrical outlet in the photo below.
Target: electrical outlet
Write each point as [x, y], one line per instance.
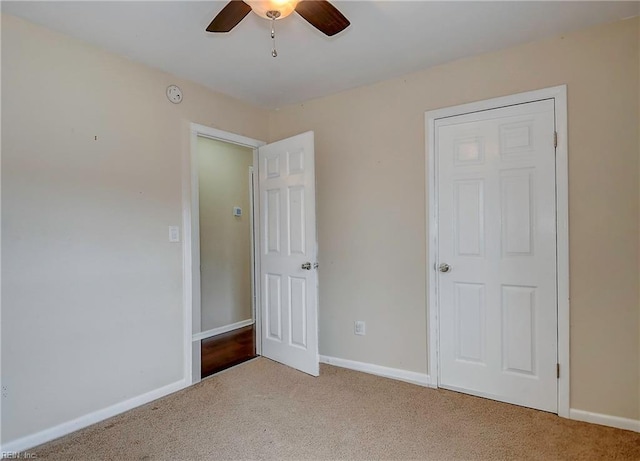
[5, 392]
[359, 327]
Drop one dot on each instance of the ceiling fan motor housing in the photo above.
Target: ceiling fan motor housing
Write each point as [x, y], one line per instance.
[267, 8]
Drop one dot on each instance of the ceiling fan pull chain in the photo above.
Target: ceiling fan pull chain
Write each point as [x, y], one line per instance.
[274, 53]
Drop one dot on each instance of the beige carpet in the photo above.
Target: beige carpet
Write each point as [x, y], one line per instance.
[263, 410]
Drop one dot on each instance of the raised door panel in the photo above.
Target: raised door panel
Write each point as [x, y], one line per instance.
[516, 139]
[470, 322]
[298, 312]
[272, 221]
[517, 212]
[273, 301]
[518, 329]
[296, 220]
[468, 227]
[295, 162]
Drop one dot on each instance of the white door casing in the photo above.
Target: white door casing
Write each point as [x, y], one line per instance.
[289, 292]
[496, 216]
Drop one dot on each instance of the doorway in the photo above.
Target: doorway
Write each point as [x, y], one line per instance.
[222, 324]
[225, 210]
[498, 249]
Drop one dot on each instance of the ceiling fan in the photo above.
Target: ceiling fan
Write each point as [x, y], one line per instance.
[319, 13]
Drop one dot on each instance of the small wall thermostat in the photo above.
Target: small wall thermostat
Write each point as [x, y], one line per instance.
[174, 234]
[174, 94]
[237, 211]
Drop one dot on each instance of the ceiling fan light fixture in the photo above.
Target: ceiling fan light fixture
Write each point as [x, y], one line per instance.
[265, 8]
[321, 14]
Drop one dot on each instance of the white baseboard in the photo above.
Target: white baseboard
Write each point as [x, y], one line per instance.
[33, 440]
[220, 330]
[421, 379]
[605, 420]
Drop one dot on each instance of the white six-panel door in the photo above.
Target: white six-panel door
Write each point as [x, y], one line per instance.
[497, 254]
[289, 281]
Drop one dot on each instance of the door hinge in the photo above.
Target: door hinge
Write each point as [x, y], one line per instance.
[558, 370]
[555, 139]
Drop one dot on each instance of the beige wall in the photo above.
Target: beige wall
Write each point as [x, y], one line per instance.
[91, 180]
[225, 240]
[370, 170]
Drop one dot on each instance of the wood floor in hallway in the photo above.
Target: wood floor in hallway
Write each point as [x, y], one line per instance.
[228, 349]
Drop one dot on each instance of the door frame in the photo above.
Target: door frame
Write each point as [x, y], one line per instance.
[191, 245]
[559, 95]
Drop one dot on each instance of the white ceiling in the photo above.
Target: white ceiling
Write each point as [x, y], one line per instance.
[386, 39]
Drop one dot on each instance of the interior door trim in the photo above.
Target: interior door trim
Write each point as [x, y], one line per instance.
[559, 95]
[191, 244]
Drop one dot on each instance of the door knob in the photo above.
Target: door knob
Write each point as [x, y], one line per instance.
[444, 267]
[306, 266]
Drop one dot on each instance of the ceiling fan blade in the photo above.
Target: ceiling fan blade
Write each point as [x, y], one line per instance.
[323, 16]
[229, 17]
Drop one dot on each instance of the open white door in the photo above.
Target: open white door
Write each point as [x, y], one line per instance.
[288, 275]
